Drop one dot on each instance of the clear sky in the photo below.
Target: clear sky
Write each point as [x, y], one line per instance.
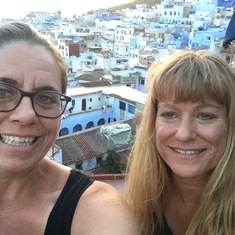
[17, 8]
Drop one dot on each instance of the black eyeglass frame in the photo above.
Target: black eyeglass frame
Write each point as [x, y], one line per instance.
[31, 96]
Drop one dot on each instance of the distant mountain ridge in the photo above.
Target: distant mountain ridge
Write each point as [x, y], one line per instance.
[132, 4]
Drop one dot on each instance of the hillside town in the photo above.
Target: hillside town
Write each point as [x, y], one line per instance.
[108, 55]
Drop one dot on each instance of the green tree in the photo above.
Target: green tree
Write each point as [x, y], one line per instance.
[113, 163]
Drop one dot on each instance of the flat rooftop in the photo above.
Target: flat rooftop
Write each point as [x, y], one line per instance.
[119, 90]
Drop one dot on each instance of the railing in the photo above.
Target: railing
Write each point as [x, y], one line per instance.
[105, 177]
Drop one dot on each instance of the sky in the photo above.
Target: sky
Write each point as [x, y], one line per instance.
[16, 9]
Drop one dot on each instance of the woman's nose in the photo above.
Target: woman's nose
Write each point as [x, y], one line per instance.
[24, 112]
[186, 129]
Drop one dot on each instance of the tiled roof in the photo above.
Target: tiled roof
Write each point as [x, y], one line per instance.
[93, 76]
[95, 84]
[91, 143]
[93, 79]
[84, 145]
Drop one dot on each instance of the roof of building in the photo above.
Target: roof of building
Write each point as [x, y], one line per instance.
[93, 76]
[91, 142]
[118, 90]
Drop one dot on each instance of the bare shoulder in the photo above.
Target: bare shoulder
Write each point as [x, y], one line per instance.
[103, 210]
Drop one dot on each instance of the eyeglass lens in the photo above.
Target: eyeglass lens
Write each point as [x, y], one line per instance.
[46, 104]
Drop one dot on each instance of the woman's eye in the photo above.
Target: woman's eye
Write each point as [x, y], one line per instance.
[206, 116]
[5, 93]
[47, 99]
[169, 115]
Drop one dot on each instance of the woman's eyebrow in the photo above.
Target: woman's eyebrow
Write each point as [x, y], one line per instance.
[8, 81]
[42, 88]
[47, 88]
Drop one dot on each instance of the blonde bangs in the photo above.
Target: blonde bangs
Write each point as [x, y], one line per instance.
[190, 79]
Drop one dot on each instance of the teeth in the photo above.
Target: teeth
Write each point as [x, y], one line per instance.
[18, 141]
[187, 152]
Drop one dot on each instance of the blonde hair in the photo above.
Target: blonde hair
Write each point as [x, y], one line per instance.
[188, 76]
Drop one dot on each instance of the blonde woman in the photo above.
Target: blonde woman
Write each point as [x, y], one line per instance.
[181, 177]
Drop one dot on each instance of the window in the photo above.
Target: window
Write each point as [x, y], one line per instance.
[64, 131]
[131, 109]
[122, 105]
[89, 125]
[101, 122]
[98, 161]
[78, 127]
[228, 58]
[79, 166]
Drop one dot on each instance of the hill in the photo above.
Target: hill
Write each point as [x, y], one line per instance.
[132, 4]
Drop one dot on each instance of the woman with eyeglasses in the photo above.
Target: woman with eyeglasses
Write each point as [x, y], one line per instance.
[37, 195]
[181, 177]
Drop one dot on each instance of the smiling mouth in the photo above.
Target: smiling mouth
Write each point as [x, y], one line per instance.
[188, 152]
[17, 141]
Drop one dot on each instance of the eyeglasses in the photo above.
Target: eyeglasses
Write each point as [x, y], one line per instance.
[46, 104]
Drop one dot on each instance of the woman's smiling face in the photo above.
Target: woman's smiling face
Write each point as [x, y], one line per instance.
[26, 137]
[191, 137]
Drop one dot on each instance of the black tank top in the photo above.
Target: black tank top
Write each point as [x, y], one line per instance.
[61, 216]
[163, 230]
